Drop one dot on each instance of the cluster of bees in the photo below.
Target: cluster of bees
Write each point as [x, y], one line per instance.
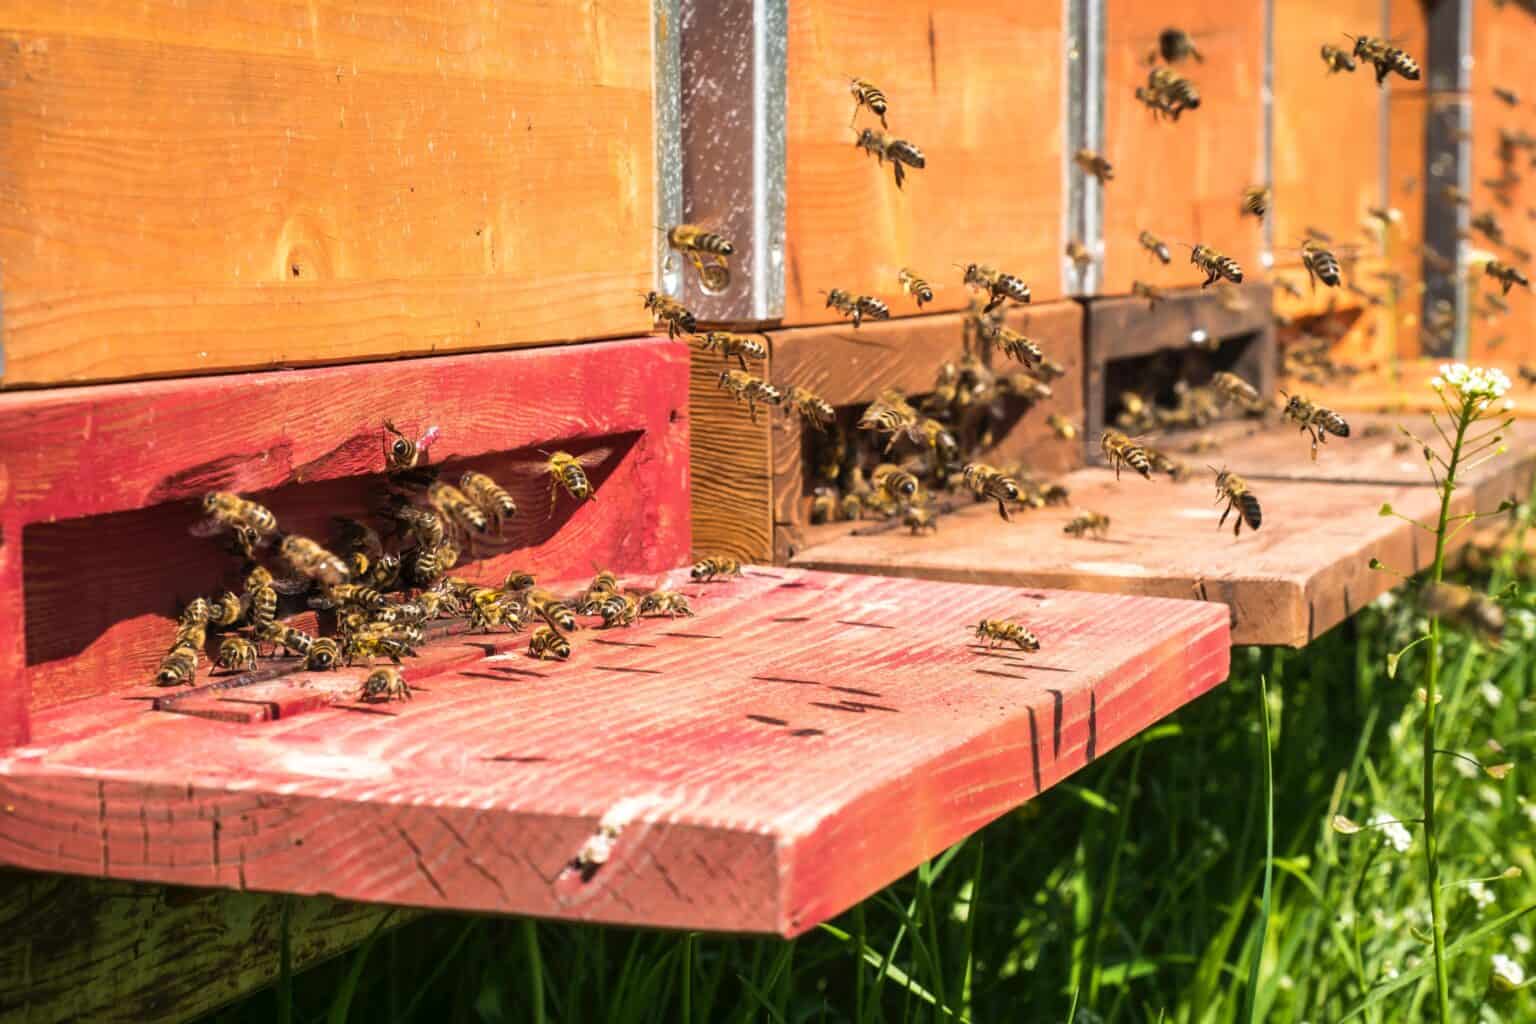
[380, 595]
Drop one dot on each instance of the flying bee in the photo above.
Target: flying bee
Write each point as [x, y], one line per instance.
[1155, 246]
[935, 437]
[1151, 292]
[998, 285]
[1487, 223]
[1013, 344]
[1256, 200]
[1094, 164]
[890, 414]
[1175, 44]
[1234, 490]
[236, 654]
[990, 483]
[1509, 96]
[1215, 266]
[252, 525]
[672, 313]
[1170, 92]
[866, 95]
[384, 685]
[1507, 275]
[897, 483]
[312, 561]
[454, 506]
[492, 500]
[911, 284]
[1338, 59]
[618, 610]
[402, 453]
[178, 667]
[741, 346]
[1234, 389]
[566, 473]
[1063, 428]
[857, 307]
[1314, 420]
[1094, 524]
[1165, 463]
[744, 387]
[1320, 264]
[548, 645]
[707, 569]
[1048, 369]
[1527, 374]
[997, 632]
[422, 524]
[816, 411]
[1078, 253]
[1025, 386]
[665, 602]
[1456, 196]
[225, 610]
[1466, 608]
[1120, 450]
[696, 243]
[900, 152]
[1386, 58]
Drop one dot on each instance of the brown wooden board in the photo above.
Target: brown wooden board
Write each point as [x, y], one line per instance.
[1183, 180]
[254, 184]
[977, 86]
[1303, 572]
[805, 740]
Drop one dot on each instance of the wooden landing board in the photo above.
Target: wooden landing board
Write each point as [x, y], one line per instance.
[1303, 572]
[253, 184]
[805, 740]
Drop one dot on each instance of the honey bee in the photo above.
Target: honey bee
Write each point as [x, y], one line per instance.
[997, 632]
[566, 472]
[920, 520]
[1234, 490]
[1165, 463]
[197, 613]
[1094, 524]
[384, 685]
[816, 411]
[1527, 374]
[744, 387]
[1487, 223]
[618, 610]
[1078, 253]
[900, 152]
[998, 285]
[236, 654]
[727, 344]
[987, 482]
[1063, 428]
[427, 564]
[260, 599]
[494, 503]
[178, 667]
[1013, 344]
[671, 312]
[518, 580]
[454, 506]
[897, 483]
[1320, 264]
[323, 654]
[890, 414]
[1169, 93]
[1150, 292]
[665, 602]
[312, 561]
[1507, 275]
[911, 284]
[355, 594]
[1055, 494]
[824, 504]
[707, 569]
[695, 242]
[1466, 608]
[1048, 369]
[1215, 266]
[1509, 96]
[422, 524]
[1175, 45]
[486, 606]
[1025, 386]
[549, 608]
[548, 645]
[401, 453]
[1386, 58]
[1256, 200]
[1337, 59]
[857, 307]
[866, 95]
[1120, 450]
[1315, 420]
[379, 640]
[1154, 245]
[934, 436]
[253, 525]
[1094, 164]
[1234, 389]
[851, 507]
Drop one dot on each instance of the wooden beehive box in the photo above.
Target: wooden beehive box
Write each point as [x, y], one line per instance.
[976, 86]
[192, 190]
[752, 490]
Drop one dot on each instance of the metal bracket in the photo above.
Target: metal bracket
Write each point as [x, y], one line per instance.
[732, 88]
[1448, 161]
[1083, 213]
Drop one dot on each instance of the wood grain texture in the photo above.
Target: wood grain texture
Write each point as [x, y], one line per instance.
[976, 84]
[732, 465]
[1303, 572]
[1406, 194]
[192, 189]
[102, 482]
[1183, 180]
[821, 736]
[120, 953]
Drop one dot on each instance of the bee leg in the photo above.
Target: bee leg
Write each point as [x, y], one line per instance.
[900, 174]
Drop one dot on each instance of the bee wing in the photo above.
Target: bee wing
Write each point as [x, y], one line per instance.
[209, 527]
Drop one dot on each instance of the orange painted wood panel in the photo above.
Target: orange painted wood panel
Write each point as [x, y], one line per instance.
[977, 87]
[262, 184]
[1404, 388]
[1183, 180]
[805, 740]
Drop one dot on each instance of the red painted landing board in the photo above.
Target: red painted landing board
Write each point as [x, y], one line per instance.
[803, 741]
[1304, 571]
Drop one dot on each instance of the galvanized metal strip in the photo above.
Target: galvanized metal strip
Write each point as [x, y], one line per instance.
[1448, 161]
[1384, 130]
[666, 87]
[1267, 121]
[733, 61]
[1083, 214]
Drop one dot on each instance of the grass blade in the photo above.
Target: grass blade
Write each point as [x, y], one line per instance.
[1252, 995]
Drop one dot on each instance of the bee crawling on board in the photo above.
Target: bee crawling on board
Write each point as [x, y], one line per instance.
[549, 608]
[998, 285]
[1155, 246]
[920, 290]
[1256, 200]
[1315, 420]
[178, 667]
[708, 569]
[857, 308]
[566, 473]
[383, 686]
[920, 519]
[236, 654]
[1168, 93]
[1338, 59]
[1385, 57]
[896, 483]
[745, 387]
[548, 645]
[672, 313]
[1000, 633]
[1234, 490]
[865, 94]
[740, 346]
[665, 602]
[400, 452]
[618, 610]
[1120, 450]
[1086, 524]
[1095, 165]
[1215, 266]
[901, 153]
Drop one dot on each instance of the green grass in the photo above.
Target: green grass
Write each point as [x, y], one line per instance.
[1132, 892]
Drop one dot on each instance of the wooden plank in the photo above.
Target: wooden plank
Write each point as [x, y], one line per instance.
[102, 482]
[793, 731]
[262, 184]
[1406, 194]
[1183, 180]
[1285, 584]
[1403, 387]
[976, 84]
[120, 953]
[731, 460]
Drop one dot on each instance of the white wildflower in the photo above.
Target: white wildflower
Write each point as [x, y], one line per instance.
[1521, 942]
[1393, 832]
[1491, 693]
[1490, 796]
[1386, 601]
[1474, 383]
[1482, 896]
[1389, 972]
[1466, 769]
[1507, 974]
